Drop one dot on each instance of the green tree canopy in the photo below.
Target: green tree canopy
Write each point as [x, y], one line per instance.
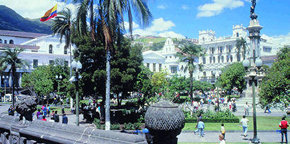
[275, 85]
[233, 76]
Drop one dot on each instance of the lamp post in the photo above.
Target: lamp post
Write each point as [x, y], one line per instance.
[58, 78]
[77, 66]
[253, 63]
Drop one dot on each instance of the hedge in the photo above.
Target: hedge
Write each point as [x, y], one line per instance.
[217, 120]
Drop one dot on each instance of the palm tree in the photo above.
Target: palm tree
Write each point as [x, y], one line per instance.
[63, 26]
[10, 59]
[110, 25]
[188, 52]
[241, 43]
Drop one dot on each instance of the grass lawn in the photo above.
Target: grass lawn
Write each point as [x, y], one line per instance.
[264, 123]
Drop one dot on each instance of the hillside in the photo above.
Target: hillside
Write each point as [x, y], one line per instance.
[10, 20]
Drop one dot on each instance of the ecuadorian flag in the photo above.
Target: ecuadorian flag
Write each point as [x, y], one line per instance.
[49, 14]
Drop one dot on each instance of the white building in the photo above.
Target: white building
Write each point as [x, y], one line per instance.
[219, 52]
[39, 49]
[166, 59]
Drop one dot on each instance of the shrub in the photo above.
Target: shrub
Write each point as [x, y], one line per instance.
[213, 117]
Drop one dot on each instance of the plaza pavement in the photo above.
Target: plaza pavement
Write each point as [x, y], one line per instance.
[189, 136]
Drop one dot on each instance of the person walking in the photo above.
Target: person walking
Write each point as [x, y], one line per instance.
[201, 127]
[244, 122]
[246, 109]
[284, 125]
[222, 140]
[64, 119]
[56, 117]
[223, 131]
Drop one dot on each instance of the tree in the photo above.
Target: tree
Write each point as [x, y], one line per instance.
[275, 85]
[233, 76]
[188, 53]
[10, 59]
[110, 25]
[202, 86]
[241, 43]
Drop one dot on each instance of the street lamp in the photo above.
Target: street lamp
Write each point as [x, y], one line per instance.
[253, 63]
[58, 78]
[77, 66]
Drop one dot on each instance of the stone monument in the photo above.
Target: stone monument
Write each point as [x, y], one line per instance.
[26, 106]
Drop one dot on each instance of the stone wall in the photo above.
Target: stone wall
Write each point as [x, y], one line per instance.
[14, 132]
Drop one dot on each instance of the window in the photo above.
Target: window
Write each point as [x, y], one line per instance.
[221, 49]
[237, 34]
[219, 59]
[203, 60]
[238, 57]
[203, 39]
[154, 67]
[147, 65]
[11, 42]
[173, 69]
[0, 40]
[228, 58]
[222, 59]
[213, 59]
[5, 41]
[160, 67]
[204, 74]
[231, 58]
[65, 50]
[50, 49]
[35, 63]
[51, 62]
[212, 50]
[267, 49]
[210, 60]
[66, 63]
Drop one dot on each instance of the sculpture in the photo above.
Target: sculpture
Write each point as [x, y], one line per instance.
[26, 106]
[252, 10]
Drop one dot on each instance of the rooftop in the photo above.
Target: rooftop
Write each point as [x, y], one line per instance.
[20, 34]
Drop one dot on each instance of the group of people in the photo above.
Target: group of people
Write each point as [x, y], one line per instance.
[44, 112]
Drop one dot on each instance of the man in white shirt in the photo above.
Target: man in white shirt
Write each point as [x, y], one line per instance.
[244, 122]
[221, 138]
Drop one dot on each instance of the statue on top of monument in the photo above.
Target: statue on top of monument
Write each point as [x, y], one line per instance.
[253, 15]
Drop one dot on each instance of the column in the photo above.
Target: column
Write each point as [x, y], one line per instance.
[19, 80]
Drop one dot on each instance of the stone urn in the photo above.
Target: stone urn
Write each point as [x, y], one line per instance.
[164, 121]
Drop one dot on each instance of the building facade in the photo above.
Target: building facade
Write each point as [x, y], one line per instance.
[218, 53]
[39, 49]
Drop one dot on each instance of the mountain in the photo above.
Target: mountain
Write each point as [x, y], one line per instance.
[10, 20]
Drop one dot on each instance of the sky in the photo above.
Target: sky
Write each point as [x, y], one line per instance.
[185, 18]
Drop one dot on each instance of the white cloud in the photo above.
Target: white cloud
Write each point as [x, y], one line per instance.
[159, 27]
[126, 25]
[35, 8]
[161, 6]
[278, 41]
[171, 34]
[215, 8]
[184, 7]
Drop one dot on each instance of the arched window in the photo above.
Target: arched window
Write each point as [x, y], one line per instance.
[237, 34]
[0, 40]
[213, 59]
[231, 58]
[50, 48]
[228, 58]
[5, 41]
[210, 60]
[222, 59]
[11, 42]
[219, 59]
